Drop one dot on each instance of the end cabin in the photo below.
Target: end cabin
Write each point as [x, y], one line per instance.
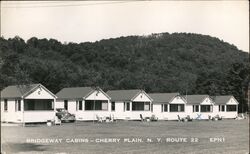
[227, 106]
[85, 102]
[200, 107]
[168, 106]
[27, 104]
[130, 104]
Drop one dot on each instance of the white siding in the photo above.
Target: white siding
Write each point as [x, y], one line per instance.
[177, 100]
[59, 104]
[11, 115]
[97, 96]
[229, 114]
[71, 106]
[85, 114]
[207, 101]
[119, 110]
[141, 97]
[27, 116]
[201, 115]
[38, 116]
[39, 93]
[157, 111]
[92, 114]
[232, 101]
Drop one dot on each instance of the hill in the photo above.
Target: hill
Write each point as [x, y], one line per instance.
[178, 62]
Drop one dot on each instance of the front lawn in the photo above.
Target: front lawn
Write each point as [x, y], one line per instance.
[226, 136]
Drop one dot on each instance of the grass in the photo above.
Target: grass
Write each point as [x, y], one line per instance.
[235, 134]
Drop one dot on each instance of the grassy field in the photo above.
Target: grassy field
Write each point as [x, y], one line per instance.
[233, 135]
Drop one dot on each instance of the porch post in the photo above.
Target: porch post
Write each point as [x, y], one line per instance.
[83, 105]
[130, 106]
[22, 110]
[54, 103]
[109, 106]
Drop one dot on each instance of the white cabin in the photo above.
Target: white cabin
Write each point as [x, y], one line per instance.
[227, 106]
[27, 104]
[130, 104]
[168, 106]
[86, 103]
[200, 107]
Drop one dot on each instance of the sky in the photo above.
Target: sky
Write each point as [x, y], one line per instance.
[81, 21]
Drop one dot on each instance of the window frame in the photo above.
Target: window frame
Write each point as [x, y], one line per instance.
[17, 105]
[66, 104]
[179, 108]
[112, 106]
[127, 106]
[222, 108]
[205, 106]
[228, 107]
[196, 108]
[94, 106]
[5, 105]
[80, 107]
[143, 106]
[165, 107]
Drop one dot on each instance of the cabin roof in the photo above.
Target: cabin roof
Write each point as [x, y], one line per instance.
[123, 95]
[195, 99]
[19, 91]
[74, 92]
[162, 97]
[222, 99]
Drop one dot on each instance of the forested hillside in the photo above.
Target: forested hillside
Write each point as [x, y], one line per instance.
[178, 62]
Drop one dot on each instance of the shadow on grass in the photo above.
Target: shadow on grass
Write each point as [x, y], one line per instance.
[23, 147]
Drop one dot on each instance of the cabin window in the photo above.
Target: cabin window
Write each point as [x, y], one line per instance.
[137, 106]
[38, 104]
[165, 107]
[5, 105]
[195, 108]
[30, 105]
[140, 106]
[206, 108]
[222, 108]
[17, 105]
[128, 106]
[176, 107]
[112, 106]
[152, 107]
[231, 108]
[66, 104]
[96, 105]
[80, 105]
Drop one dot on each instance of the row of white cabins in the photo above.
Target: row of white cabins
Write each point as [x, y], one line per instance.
[35, 103]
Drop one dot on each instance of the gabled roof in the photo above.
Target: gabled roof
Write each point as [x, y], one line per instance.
[123, 95]
[163, 97]
[74, 92]
[223, 99]
[195, 99]
[19, 91]
[78, 92]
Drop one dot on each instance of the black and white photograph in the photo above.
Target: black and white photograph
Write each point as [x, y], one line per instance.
[125, 77]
